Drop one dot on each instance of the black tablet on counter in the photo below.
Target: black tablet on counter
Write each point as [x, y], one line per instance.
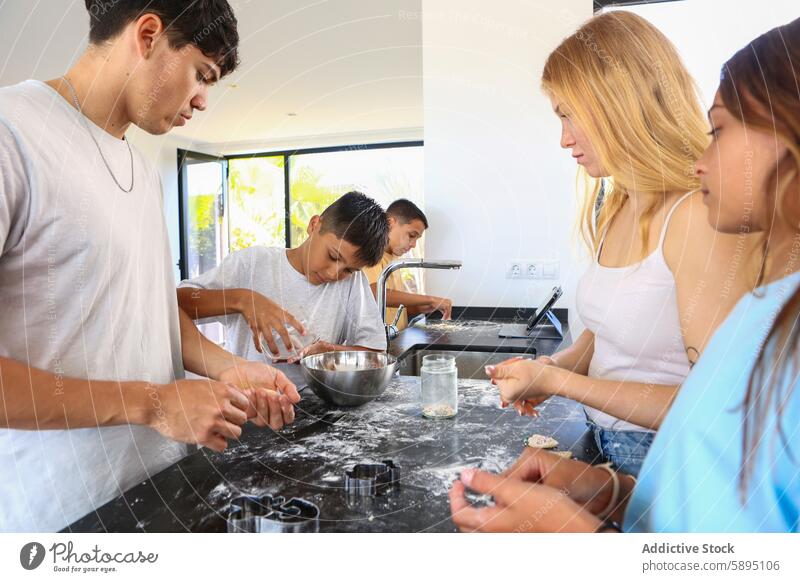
[525, 330]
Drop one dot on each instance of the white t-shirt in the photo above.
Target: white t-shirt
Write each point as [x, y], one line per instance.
[341, 312]
[86, 291]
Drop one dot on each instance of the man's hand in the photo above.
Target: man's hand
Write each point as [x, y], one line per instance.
[265, 316]
[202, 412]
[520, 506]
[270, 393]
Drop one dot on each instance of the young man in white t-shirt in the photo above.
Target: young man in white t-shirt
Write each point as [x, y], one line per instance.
[320, 282]
[92, 345]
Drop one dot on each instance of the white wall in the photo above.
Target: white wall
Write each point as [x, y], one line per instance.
[706, 36]
[497, 185]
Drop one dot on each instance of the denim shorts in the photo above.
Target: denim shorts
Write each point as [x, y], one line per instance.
[624, 449]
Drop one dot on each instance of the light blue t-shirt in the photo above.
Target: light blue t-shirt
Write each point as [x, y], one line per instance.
[690, 478]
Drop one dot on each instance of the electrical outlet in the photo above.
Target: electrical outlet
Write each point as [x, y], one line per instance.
[514, 270]
[533, 271]
[540, 270]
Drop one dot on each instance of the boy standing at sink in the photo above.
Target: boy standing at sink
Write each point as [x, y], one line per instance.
[407, 223]
[256, 290]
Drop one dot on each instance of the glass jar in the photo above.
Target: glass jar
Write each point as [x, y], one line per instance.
[299, 342]
[439, 386]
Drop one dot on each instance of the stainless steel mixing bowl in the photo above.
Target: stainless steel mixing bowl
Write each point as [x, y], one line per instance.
[348, 378]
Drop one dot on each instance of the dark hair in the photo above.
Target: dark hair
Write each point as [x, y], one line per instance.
[207, 24]
[406, 211]
[758, 87]
[361, 221]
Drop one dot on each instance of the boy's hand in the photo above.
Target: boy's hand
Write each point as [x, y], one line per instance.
[433, 304]
[319, 347]
[265, 316]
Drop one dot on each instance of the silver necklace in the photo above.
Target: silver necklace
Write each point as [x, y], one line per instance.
[91, 133]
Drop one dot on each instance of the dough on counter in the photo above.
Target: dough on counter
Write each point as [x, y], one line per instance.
[538, 441]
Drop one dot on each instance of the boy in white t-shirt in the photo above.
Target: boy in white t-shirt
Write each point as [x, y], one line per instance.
[319, 282]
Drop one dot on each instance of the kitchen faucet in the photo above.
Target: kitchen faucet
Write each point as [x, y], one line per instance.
[391, 329]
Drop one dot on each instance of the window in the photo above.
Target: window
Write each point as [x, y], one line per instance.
[256, 202]
[202, 191]
[268, 199]
[202, 198]
[386, 174]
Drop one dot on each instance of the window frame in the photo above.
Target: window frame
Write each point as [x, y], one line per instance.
[183, 155]
[186, 158]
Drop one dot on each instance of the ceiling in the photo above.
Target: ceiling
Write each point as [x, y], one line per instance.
[340, 66]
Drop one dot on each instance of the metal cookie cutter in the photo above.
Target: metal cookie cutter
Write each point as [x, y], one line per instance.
[369, 480]
[268, 514]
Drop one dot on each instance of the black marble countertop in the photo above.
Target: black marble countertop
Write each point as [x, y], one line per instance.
[309, 458]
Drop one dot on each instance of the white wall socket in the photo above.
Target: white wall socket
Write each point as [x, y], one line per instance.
[542, 270]
[514, 270]
[532, 270]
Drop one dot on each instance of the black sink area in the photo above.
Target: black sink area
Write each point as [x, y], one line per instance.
[470, 359]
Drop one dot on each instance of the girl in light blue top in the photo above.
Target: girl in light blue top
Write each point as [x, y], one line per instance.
[727, 456]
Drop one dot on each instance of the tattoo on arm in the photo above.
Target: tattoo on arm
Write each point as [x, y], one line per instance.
[693, 354]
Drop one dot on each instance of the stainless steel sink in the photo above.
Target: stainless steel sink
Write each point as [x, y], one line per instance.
[470, 360]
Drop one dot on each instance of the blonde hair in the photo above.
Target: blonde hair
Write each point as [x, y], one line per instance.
[625, 85]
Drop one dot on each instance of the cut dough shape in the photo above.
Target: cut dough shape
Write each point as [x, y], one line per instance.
[538, 441]
[564, 454]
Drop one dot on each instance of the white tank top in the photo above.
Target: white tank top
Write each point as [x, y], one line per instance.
[633, 313]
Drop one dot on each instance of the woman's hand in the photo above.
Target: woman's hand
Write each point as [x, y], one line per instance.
[588, 486]
[520, 506]
[264, 317]
[523, 383]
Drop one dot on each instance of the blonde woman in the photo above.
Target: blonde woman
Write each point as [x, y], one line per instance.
[728, 454]
[662, 279]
